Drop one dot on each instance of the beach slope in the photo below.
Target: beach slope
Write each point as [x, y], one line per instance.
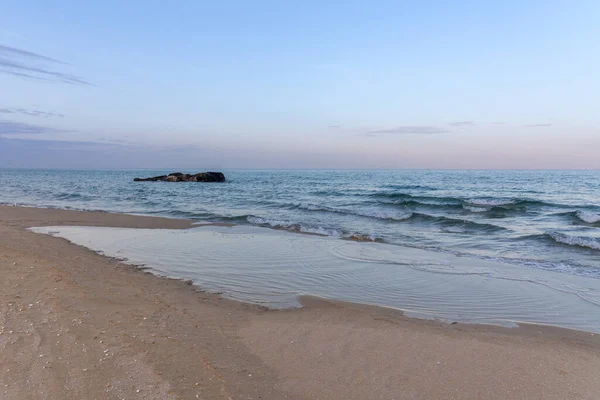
[77, 325]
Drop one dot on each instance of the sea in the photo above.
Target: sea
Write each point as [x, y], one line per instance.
[535, 219]
[509, 246]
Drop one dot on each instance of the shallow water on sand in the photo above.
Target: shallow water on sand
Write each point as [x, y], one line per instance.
[272, 268]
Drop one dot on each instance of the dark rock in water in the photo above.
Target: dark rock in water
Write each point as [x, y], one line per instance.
[181, 177]
[156, 178]
[210, 177]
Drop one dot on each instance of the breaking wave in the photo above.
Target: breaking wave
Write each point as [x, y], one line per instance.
[588, 217]
[308, 229]
[377, 214]
[482, 204]
[579, 241]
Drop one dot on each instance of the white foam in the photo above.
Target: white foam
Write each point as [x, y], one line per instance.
[588, 217]
[384, 215]
[589, 242]
[490, 202]
[281, 224]
[378, 214]
[475, 209]
[312, 207]
[271, 222]
[319, 230]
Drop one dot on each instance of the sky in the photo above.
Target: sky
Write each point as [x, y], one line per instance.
[305, 84]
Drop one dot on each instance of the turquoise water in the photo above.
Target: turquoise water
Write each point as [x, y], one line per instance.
[532, 219]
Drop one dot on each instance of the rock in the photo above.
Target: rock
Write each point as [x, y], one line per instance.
[181, 177]
[154, 179]
[171, 178]
[210, 177]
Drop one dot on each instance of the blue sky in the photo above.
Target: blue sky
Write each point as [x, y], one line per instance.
[312, 84]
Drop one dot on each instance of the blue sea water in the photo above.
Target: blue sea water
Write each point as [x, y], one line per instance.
[533, 219]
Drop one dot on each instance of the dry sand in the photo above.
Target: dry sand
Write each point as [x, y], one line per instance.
[77, 325]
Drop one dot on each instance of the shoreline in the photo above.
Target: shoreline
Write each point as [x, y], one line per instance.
[119, 220]
[359, 238]
[236, 262]
[182, 342]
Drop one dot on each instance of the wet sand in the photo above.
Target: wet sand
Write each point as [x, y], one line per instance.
[77, 325]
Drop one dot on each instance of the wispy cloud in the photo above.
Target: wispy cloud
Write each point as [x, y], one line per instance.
[28, 65]
[334, 126]
[462, 123]
[537, 125]
[27, 54]
[18, 128]
[409, 130]
[31, 113]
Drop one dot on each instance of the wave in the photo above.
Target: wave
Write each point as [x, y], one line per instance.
[385, 215]
[509, 203]
[588, 217]
[409, 197]
[73, 196]
[466, 226]
[293, 226]
[475, 209]
[448, 224]
[53, 207]
[410, 187]
[578, 241]
[377, 214]
[329, 192]
[580, 216]
[426, 203]
[187, 214]
[492, 202]
[407, 217]
[308, 229]
[476, 204]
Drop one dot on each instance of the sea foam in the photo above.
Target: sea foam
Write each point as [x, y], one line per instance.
[588, 217]
[589, 242]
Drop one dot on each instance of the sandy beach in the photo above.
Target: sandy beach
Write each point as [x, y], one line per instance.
[78, 325]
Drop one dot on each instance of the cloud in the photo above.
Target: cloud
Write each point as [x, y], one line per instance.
[462, 123]
[26, 54]
[31, 113]
[537, 125]
[18, 128]
[409, 130]
[334, 126]
[26, 64]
